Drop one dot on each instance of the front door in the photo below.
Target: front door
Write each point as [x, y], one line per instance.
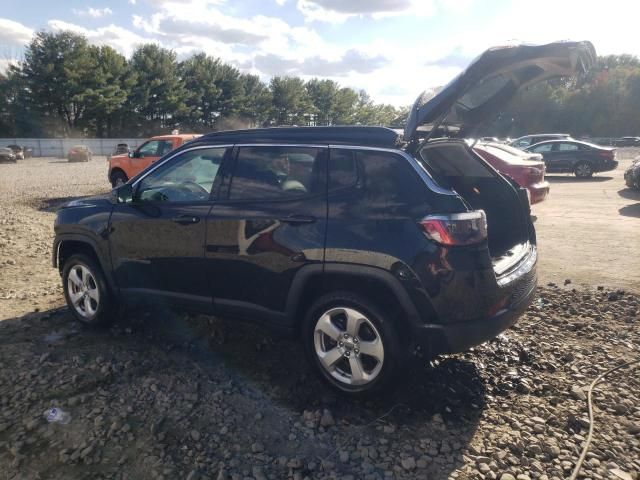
[549, 156]
[271, 224]
[157, 240]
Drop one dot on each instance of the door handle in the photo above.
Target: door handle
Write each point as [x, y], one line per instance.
[298, 219]
[185, 219]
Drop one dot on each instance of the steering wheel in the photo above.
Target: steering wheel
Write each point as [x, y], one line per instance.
[193, 187]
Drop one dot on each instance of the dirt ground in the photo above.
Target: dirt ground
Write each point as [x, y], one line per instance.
[589, 230]
[162, 395]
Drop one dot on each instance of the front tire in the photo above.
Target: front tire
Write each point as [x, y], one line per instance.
[86, 291]
[118, 178]
[352, 344]
[583, 170]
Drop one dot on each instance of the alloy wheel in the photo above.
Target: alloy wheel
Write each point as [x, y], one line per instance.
[83, 291]
[583, 170]
[348, 346]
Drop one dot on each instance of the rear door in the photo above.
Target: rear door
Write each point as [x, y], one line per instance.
[157, 240]
[272, 223]
[567, 155]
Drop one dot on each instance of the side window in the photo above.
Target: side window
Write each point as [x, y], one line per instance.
[268, 172]
[523, 143]
[189, 177]
[387, 178]
[342, 169]
[164, 147]
[543, 148]
[149, 149]
[567, 147]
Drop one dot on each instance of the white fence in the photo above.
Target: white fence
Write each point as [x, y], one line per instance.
[58, 147]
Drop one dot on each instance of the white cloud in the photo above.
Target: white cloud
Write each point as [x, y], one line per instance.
[132, 2]
[5, 63]
[336, 11]
[14, 33]
[352, 61]
[121, 39]
[93, 12]
[281, 2]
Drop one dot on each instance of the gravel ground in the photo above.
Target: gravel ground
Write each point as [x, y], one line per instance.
[163, 395]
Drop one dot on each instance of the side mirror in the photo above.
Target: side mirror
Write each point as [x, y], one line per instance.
[132, 154]
[122, 194]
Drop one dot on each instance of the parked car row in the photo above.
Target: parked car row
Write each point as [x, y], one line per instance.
[615, 141]
[7, 156]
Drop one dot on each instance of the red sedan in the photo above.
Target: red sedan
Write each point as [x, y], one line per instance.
[527, 173]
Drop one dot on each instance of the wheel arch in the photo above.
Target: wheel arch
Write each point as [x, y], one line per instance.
[68, 245]
[370, 282]
[115, 170]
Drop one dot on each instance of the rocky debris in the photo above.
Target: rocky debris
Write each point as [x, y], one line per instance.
[513, 408]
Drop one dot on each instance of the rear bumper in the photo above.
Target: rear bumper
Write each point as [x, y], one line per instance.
[607, 166]
[539, 191]
[460, 336]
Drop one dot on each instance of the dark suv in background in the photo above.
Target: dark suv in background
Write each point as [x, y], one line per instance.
[364, 244]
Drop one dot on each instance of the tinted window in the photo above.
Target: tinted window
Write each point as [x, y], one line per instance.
[149, 149]
[542, 148]
[342, 169]
[565, 147]
[482, 92]
[387, 178]
[188, 177]
[452, 161]
[164, 147]
[275, 172]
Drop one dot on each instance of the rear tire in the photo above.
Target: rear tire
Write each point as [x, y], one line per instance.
[352, 344]
[583, 170]
[86, 291]
[118, 178]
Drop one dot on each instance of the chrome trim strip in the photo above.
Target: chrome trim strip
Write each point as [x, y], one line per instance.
[420, 170]
[525, 267]
[472, 215]
[309, 145]
[58, 253]
[160, 163]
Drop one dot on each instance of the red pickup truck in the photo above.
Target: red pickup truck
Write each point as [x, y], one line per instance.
[123, 167]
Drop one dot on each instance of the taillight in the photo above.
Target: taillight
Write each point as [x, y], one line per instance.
[456, 229]
[607, 154]
[535, 172]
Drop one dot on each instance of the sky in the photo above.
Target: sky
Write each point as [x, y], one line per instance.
[394, 49]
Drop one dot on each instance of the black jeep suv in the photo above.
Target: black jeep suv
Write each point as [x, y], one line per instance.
[365, 244]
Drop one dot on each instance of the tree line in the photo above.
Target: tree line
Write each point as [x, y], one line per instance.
[604, 102]
[68, 87]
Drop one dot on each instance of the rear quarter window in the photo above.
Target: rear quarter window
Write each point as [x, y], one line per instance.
[385, 178]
